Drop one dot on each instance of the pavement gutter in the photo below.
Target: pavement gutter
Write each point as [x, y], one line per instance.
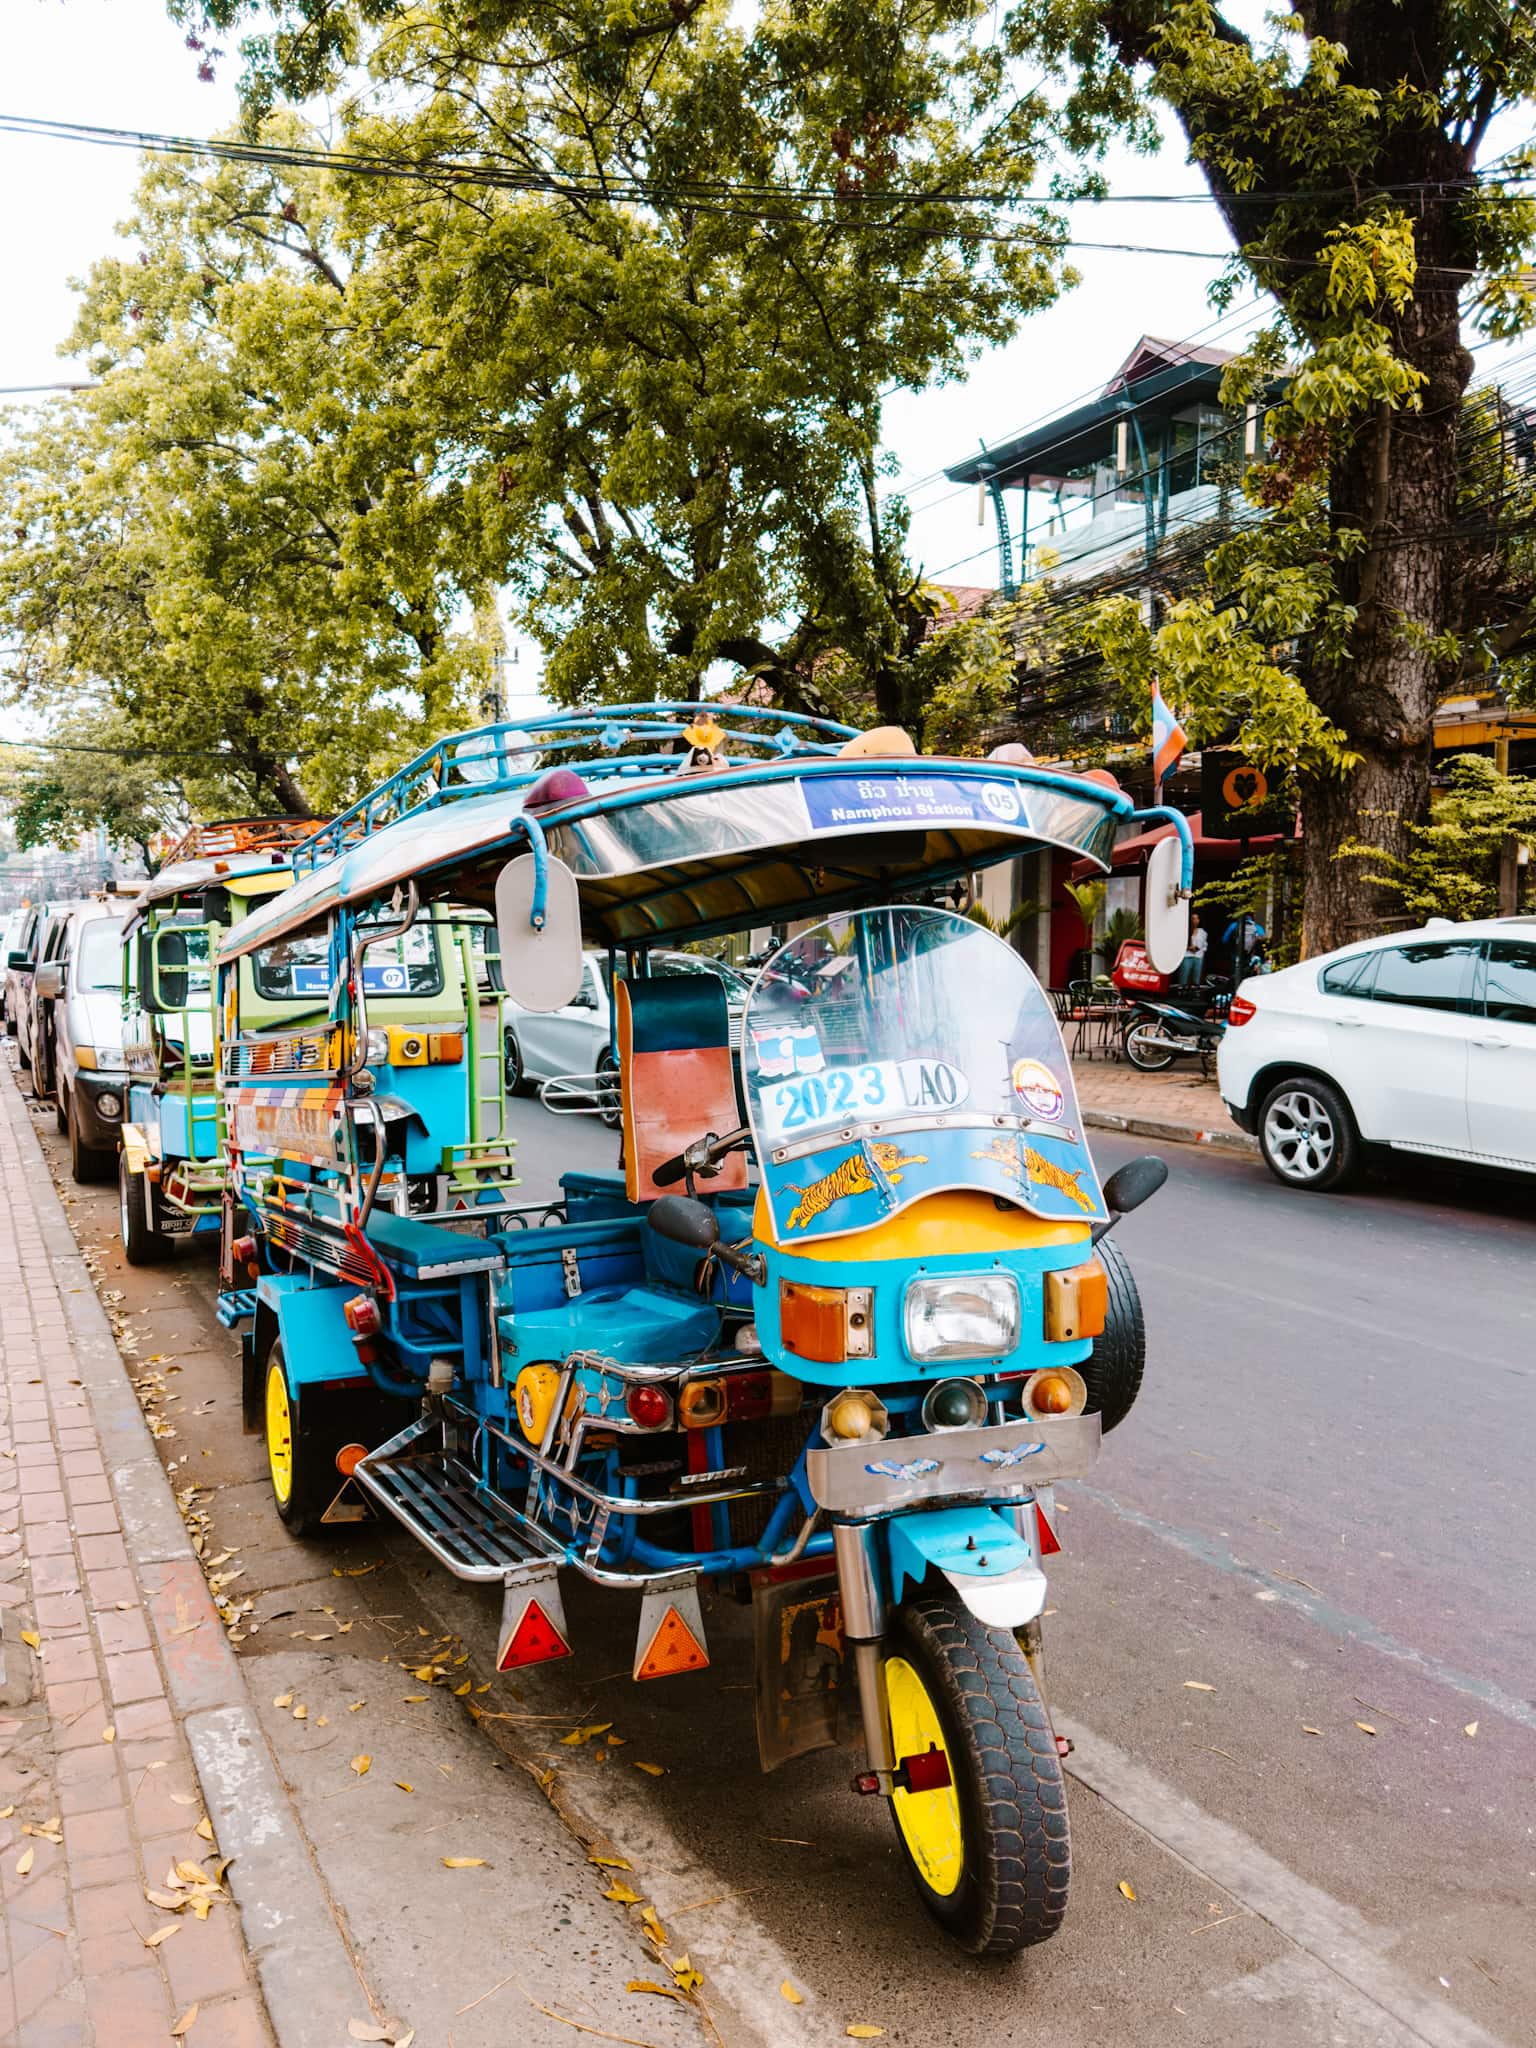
[1171, 1133]
[310, 1979]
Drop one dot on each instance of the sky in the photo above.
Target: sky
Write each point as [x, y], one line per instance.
[120, 63]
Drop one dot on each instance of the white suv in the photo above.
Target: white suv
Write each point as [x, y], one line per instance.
[1419, 1041]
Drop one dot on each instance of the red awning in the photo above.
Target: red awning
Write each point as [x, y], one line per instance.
[1131, 853]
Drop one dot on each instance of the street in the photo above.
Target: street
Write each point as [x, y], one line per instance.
[1292, 1635]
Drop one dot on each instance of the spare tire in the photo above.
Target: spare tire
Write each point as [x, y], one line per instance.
[1114, 1370]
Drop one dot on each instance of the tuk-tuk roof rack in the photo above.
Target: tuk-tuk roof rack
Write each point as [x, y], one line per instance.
[238, 835]
[514, 754]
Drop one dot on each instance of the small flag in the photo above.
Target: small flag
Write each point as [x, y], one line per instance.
[1168, 740]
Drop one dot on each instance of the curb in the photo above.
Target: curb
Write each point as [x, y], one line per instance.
[309, 1980]
[1177, 1134]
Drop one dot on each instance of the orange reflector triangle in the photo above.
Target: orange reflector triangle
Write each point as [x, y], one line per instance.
[1049, 1540]
[535, 1640]
[674, 1647]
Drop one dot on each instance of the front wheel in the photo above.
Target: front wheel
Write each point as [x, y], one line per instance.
[86, 1162]
[1307, 1135]
[608, 1091]
[1143, 1054]
[989, 1853]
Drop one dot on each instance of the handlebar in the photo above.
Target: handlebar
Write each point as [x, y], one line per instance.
[700, 1157]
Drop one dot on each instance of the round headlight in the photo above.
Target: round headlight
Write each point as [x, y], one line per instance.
[109, 1104]
[954, 1404]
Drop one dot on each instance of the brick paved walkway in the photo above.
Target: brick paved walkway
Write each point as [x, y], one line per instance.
[1177, 1096]
[99, 1801]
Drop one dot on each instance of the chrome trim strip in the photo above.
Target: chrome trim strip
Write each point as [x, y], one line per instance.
[867, 1481]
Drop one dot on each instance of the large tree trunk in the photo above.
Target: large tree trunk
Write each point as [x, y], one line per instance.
[1396, 483]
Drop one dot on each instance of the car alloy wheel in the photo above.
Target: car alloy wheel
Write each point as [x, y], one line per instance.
[1299, 1135]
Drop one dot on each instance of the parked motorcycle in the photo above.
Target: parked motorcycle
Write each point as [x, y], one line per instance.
[1163, 1030]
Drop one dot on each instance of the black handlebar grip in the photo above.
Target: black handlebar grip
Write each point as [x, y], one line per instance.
[670, 1171]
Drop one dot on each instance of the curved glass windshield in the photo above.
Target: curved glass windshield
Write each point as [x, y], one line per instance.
[895, 1052]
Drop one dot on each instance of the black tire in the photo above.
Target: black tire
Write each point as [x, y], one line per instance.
[143, 1245]
[512, 1065]
[314, 1438]
[61, 1113]
[1307, 1135]
[1017, 1862]
[24, 1058]
[1146, 1059]
[87, 1163]
[1119, 1354]
[608, 1091]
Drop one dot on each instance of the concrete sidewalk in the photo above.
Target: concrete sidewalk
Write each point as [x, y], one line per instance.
[1179, 1105]
[131, 1766]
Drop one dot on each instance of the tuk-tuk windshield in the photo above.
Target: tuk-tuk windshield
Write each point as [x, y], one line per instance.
[914, 1025]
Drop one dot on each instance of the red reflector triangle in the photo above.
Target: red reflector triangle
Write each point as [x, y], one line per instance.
[1048, 1537]
[535, 1640]
[674, 1647]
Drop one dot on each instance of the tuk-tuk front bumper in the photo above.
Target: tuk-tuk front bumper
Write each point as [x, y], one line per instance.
[866, 1480]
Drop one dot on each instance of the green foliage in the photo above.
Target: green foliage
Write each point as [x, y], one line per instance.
[1451, 868]
[92, 776]
[1017, 918]
[1089, 898]
[1120, 928]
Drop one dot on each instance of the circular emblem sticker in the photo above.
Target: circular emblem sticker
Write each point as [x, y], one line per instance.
[1039, 1090]
[1001, 801]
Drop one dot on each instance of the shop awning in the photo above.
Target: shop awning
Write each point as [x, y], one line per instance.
[1131, 853]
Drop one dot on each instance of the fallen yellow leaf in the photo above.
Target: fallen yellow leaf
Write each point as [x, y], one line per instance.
[460, 1690]
[1306, 1730]
[301, 1713]
[162, 1934]
[621, 1894]
[7, 1811]
[580, 1735]
[25, 1860]
[357, 1706]
[1194, 1685]
[109, 1735]
[611, 1862]
[463, 1863]
[653, 1927]
[204, 1828]
[644, 1984]
[1365, 1728]
[193, 1873]
[651, 1770]
[167, 1901]
[617, 1741]
[403, 1785]
[1127, 1891]
[284, 1699]
[685, 1976]
[32, 1640]
[859, 2033]
[184, 2024]
[362, 1765]
[365, 2030]
[788, 1991]
[1470, 1729]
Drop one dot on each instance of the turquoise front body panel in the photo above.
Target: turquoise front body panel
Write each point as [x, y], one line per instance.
[317, 1345]
[975, 1542]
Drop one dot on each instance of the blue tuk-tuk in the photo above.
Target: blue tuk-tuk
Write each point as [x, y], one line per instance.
[170, 1172]
[838, 1319]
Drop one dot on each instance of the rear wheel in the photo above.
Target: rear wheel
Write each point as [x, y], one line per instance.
[1142, 1053]
[512, 1064]
[1307, 1135]
[303, 1433]
[989, 1852]
[1119, 1354]
[60, 1113]
[143, 1245]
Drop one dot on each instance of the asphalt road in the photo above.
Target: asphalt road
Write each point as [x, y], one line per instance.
[1318, 1516]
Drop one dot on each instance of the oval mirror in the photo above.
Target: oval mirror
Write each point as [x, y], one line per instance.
[541, 969]
[1167, 914]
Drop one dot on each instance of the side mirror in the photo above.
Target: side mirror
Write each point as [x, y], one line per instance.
[541, 966]
[50, 981]
[1167, 918]
[168, 976]
[1134, 1183]
[21, 962]
[685, 1222]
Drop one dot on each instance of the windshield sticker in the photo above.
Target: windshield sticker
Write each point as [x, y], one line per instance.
[851, 1176]
[793, 1051]
[1039, 1090]
[873, 1089]
[1031, 1169]
[839, 800]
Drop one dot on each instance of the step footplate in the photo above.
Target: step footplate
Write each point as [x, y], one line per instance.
[467, 1528]
[235, 1305]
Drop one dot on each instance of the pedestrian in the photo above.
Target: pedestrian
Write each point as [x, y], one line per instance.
[1245, 935]
[1191, 968]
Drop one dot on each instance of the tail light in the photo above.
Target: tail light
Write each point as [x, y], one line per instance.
[243, 1250]
[362, 1315]
[1241, 1010]
[648, 1407]
[737, 1397]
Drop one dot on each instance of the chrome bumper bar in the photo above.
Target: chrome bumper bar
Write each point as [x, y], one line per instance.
[1004, 1461]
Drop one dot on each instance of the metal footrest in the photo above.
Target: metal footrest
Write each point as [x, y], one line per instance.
[470, 1530]
[236, 1306]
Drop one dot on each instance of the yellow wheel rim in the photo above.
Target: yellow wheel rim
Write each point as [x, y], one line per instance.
[279, 1434]
[929, 1821]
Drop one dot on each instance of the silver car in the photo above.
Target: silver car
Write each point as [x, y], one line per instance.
[78, 998]
[578, 1041]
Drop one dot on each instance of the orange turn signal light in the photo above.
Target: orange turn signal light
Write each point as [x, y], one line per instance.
[445, 1048]
[1058, 1390]
[1076, 1302]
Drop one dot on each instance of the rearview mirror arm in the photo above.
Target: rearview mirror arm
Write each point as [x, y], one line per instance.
[1164, 814]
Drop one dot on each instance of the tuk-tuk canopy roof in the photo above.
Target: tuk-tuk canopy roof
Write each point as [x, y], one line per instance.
[192, 877]
[663, 851]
